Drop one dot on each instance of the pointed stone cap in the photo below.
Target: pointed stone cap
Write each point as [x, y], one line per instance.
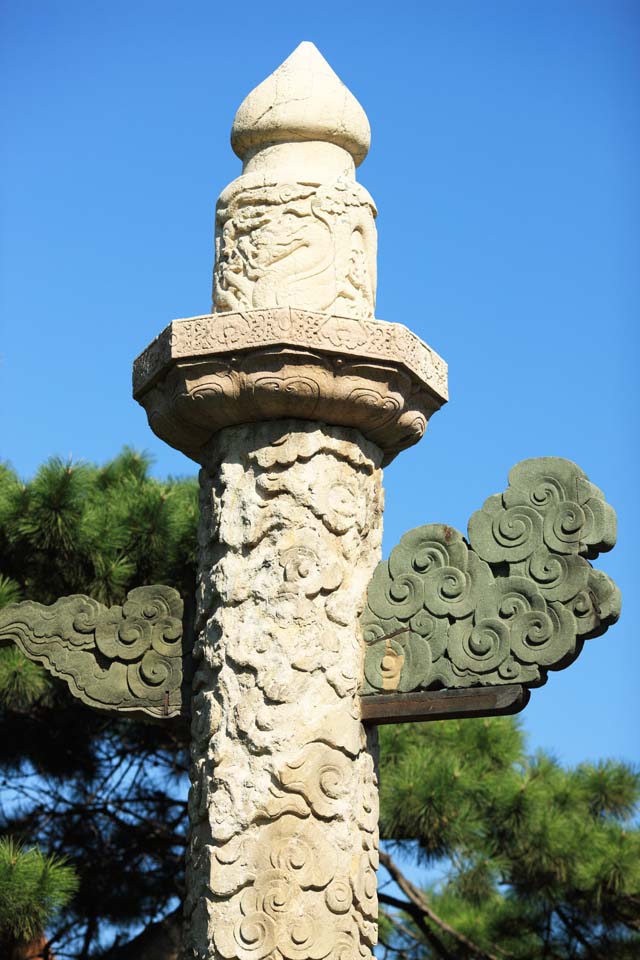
[302, 100]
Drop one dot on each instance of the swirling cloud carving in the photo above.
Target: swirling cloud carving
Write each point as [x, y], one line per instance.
[518, 598]
[125, 658]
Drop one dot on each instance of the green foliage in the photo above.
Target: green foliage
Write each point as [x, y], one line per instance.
[9, 591]
[109, 793]
[540, 861]
[22, 682]
[77, 528]
[32, 889]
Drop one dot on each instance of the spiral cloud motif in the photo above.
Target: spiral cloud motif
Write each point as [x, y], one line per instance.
[516, 600]
[121, 658]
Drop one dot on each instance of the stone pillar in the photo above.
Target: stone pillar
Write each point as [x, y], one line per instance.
[283, 808]
[291, 396]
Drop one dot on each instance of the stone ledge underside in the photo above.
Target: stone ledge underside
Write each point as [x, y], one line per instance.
[197, 398]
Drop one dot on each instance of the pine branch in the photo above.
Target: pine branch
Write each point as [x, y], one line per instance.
[417, 915]
[419, 901]
[575, 932]
[405, 931]
[158, 941]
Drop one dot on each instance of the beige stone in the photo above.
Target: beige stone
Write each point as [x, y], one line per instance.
[292, 395]
[293, 331]
[303, 100]
[283, 806]
[295, 229]
[204, 373]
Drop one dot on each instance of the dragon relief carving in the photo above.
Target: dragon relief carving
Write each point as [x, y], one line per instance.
[282, 862]
[125, 658]
[311, 246]
[517, 599]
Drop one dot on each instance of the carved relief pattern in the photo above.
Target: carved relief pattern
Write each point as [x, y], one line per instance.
[283, 805]
[123, 658]
[196, 400]
[206, 373]
[229, 333]
[306, 245]
[517, 600]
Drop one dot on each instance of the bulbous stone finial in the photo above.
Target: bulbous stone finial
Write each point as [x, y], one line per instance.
[303, 100]
[292, 333]
[295, 229]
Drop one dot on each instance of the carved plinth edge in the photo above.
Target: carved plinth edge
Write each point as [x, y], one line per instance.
[205, 373]
[121, 659]
[515, 600]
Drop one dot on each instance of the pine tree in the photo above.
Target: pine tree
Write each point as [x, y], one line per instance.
[108, 795]
[32, 889]
[539, 862]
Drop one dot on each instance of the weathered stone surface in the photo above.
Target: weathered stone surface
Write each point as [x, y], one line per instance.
[296, 229]
[516, 601]
[293, 330]
[205, 373]
[308, 245]
[126, 659]
[283, 805]
[227, 335]
[302, 101]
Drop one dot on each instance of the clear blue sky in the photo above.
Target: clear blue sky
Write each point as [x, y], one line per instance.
[504, 162]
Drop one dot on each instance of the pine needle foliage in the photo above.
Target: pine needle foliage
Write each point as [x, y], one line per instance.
[9, 591]
[77, 528]
[539, 860]
[22, 682]
[32, 889]
[108, 793]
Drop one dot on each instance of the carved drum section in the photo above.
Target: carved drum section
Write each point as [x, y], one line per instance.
[309, 245]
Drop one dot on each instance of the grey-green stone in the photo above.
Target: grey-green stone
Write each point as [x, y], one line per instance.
[516, 600]
[125, 658]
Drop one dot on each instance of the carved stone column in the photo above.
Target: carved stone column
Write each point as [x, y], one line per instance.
[283, 807]
[291, 395]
